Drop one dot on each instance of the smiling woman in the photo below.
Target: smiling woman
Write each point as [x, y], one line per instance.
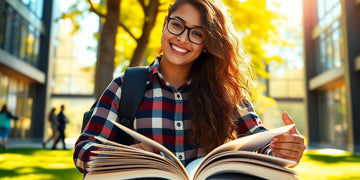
[197, 92]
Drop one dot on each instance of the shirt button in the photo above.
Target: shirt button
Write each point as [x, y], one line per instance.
[178, 124]
[180, 157]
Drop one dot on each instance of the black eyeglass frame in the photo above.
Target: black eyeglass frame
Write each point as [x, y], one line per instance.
[186, 27]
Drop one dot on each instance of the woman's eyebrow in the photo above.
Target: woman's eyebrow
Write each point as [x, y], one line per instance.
[183, 21]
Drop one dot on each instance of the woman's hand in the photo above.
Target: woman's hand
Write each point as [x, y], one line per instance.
[144, 147]
[290, 145]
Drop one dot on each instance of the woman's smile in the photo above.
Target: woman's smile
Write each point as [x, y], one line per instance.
[178, 50]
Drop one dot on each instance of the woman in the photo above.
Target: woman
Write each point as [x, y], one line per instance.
[196, 91]
[5, 125]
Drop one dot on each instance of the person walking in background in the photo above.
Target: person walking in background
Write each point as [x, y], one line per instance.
[62, 121]
[52, 118]
[5, 125]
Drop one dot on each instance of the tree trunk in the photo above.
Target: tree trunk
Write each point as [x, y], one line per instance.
[106, 47]
[149, 22]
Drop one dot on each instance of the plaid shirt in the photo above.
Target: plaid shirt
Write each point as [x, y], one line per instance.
[163, 116]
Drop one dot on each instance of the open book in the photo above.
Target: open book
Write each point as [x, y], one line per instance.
[232, 159]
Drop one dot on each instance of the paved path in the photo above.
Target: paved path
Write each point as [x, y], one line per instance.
[37, 144]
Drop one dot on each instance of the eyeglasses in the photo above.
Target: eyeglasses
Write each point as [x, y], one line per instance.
[176, 27]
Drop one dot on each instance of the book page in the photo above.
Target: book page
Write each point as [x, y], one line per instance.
[247, 166]
[247, 143]
[132, 174]
[151, 143]
[252, 142]
[121, 159]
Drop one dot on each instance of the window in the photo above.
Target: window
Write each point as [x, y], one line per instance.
[35, 6]
[30, 40]
[328, 10]
[23, 41]
[35, 54]
[14, 36]
[333, 125]
[2, 24]
[328, 48]
[329, 40]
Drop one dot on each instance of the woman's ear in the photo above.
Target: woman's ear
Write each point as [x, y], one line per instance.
[165, 21]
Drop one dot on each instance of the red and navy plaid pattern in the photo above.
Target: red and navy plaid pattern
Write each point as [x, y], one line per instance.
[163, 116]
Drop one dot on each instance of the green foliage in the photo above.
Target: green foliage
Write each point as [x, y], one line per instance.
[257, 27]
[256, 24]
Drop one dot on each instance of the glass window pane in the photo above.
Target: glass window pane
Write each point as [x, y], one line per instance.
[329, 52]
[333, 117]
[2, 24]
[276, 88]
[39, 8]
[14, 37]
[35, 57]
[23, 40]
[336, 36]
[26, 2]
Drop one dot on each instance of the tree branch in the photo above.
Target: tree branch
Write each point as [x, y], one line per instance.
[142, 3]
[127, 30]
[92, 8]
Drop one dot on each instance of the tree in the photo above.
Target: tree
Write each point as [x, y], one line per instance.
[106, 50]
[140, 26]
[111, 19]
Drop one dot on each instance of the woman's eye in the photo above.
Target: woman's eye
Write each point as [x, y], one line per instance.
[197, 33]
[177, 25]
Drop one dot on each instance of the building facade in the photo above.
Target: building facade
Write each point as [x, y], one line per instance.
[25, 41]
[332, 72]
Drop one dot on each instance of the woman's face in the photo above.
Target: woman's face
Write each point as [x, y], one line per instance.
[178, 49]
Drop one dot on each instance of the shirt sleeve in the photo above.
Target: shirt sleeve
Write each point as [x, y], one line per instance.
[9, 115]
[248, 122]
[98, 125]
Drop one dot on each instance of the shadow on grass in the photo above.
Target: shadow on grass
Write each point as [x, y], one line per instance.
[23, 151]
[41, 173]
[334, 159]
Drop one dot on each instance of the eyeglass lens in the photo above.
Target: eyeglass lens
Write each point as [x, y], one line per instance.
[196, 35]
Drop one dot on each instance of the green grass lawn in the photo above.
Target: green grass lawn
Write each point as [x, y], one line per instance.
[319, 166]
[43, 164]
[37, 164]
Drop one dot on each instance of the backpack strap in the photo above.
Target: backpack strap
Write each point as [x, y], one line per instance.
[132, 94]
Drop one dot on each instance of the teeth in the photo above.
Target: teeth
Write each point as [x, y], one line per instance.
[179, 49]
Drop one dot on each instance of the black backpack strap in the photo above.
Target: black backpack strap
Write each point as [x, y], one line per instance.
[132, 94]
[87, 115]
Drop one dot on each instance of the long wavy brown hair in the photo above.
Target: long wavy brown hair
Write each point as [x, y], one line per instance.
[221, 77]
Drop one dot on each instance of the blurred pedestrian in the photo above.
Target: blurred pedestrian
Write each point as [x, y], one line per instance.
[5, 125]
[62, 121]
[52, 118]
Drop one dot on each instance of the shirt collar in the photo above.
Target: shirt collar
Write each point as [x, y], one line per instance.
[154, 69]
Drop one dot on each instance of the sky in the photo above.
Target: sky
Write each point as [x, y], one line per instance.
[291, 8]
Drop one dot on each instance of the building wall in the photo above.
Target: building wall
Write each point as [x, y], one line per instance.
[25, 30]
[73, 64]
[332, 50]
